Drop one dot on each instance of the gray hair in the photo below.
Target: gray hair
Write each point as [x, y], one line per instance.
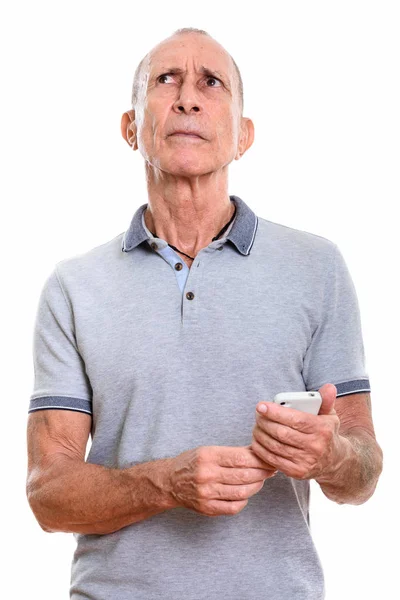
[138, 72]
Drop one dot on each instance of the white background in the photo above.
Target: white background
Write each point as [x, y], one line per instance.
[321, 83]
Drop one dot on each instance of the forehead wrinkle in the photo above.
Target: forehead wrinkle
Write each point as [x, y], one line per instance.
[208, 71]
[158, 69]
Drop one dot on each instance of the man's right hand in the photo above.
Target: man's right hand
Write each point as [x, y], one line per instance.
[217, 480]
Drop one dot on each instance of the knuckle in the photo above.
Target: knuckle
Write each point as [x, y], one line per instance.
[201, 492]
[234, 493]
[294, 421]
[284, 435]
[204, 492]
[301, 424]
[245, 475]
[315, 447]
[201, 474]
[240, 459]
[202, 454]
[240, 493]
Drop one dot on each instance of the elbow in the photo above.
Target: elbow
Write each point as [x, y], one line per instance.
[35, 508]
[39, 515]
[34, 497]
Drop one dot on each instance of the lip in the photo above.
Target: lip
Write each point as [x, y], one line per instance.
[192, 134]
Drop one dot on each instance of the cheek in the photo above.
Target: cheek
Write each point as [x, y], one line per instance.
[147, 135]
[226, 131]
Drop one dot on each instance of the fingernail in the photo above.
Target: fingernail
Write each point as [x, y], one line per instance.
[262, 408]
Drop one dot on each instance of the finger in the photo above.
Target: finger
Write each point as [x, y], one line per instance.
[296, 419]
[282, 433]
[259, 461]
[282, 464]
[276, 447]
[238, 456]
[232, 476]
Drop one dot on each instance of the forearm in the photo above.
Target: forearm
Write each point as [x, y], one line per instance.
[356, 469]
[79, 497]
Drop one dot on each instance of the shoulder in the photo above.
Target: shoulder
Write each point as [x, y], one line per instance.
[295, 245]
[92, 263]
[286, 234]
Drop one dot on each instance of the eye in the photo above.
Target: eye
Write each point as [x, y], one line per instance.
[161, 77]
[214, 79]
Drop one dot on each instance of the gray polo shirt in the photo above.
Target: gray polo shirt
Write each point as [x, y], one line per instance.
[167, 358]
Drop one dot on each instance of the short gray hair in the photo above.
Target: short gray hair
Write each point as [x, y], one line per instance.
[138, 72]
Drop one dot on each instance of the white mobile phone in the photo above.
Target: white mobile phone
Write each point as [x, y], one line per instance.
[309, 402]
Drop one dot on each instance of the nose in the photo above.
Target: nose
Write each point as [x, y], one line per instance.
[188, 100]
[181, 108]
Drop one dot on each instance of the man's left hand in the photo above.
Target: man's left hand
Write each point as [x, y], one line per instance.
[301, 445]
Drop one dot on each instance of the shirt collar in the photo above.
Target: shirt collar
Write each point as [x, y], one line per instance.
[242, 232]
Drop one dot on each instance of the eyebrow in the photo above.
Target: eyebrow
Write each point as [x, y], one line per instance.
[204, 70]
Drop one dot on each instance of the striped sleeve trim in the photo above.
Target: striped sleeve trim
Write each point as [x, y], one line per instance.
[63, 402]
[348, 387]
[352, 387]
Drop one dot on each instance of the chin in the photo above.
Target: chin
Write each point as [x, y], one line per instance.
[192, 171]
[185, 167]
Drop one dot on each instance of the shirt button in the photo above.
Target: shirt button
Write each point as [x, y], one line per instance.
[190, 295]
[178, 266]
[154, 245]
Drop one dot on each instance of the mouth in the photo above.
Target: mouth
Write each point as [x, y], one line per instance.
[186, 134]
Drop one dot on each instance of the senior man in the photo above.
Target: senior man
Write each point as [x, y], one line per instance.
[164, 342]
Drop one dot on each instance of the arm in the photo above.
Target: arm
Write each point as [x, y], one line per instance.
[67, 494]
[359, 459]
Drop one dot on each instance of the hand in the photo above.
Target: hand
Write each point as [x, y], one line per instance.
[301, 445]
[217, 480]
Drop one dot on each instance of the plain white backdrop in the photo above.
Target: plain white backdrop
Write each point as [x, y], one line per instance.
[321, 83]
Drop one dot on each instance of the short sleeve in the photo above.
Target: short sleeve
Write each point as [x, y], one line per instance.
[336, 351]
[60, 378]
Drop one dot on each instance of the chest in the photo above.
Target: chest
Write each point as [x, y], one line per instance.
[218, 327]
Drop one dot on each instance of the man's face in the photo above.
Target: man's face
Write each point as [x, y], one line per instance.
[189, 85]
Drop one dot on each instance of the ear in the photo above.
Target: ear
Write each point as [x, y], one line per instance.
[246, 136]
[128, 128]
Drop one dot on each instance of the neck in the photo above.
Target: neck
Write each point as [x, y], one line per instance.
[187, 212]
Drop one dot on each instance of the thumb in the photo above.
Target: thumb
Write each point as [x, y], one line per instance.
[328, 394]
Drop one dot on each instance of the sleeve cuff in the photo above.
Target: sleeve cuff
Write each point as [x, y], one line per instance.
[348, 387]
[62, 402]
[352, 387]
